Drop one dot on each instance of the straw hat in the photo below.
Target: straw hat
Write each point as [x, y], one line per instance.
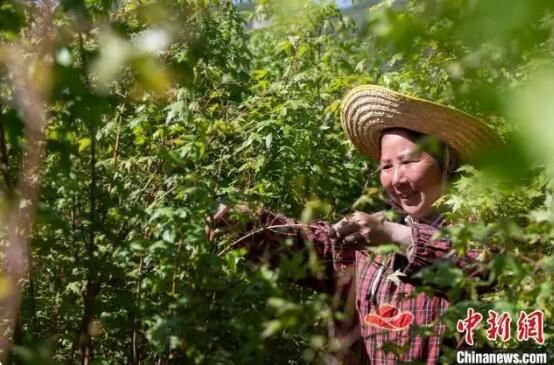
[369, 109]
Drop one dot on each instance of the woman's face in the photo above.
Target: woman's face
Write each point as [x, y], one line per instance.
[413, 178]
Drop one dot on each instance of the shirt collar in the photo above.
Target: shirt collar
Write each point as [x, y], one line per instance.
[435, 220]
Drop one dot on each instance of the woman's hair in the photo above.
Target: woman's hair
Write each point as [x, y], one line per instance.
[443, 155]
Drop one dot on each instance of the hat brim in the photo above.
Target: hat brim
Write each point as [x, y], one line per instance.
[367, 110]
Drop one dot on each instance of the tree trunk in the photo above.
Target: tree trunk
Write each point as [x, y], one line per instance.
[135, 354]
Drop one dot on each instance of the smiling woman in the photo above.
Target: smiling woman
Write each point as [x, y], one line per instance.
[417, 144]
[413, 178]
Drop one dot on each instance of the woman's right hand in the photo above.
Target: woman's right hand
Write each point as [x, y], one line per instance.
[360, 230]
[227, 219]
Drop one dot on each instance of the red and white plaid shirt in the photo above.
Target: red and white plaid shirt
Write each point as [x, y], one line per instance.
[374, 283]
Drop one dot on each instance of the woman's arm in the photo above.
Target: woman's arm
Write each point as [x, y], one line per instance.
[425, 250]
[265, 235]
[417, 241]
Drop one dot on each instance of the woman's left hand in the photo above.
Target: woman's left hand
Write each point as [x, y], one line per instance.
[360, 230]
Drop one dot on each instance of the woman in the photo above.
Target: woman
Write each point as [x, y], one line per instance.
[390, 128]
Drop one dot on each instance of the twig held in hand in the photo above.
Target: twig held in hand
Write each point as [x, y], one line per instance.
[235, 243]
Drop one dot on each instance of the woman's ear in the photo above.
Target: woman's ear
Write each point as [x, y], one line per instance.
[453, 161]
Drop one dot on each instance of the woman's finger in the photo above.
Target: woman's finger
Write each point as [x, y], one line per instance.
[355, 239]
[345, 227]
[332, 232]
[222, 209]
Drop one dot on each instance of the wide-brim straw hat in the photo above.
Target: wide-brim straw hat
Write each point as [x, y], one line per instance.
[367, 110]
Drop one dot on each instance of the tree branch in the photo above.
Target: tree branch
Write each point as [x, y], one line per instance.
[4, 161]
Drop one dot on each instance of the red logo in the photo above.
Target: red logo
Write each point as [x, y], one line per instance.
[529, 326]
[499, 326]
[390, 318]
[469, 324]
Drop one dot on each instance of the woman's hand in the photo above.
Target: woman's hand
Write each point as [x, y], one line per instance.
[360, 230]
[228, 219]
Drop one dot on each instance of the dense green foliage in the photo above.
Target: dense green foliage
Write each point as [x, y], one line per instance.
[159, 110]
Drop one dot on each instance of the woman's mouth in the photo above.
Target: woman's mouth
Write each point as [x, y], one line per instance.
[408, 196]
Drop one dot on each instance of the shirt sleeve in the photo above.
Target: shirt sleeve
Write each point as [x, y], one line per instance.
[269, 232]
[266, 240]
[425, 250]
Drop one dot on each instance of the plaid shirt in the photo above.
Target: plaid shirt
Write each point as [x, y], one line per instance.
[366, 282]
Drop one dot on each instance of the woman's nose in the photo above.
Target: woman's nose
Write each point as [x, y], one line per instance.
[398, 176]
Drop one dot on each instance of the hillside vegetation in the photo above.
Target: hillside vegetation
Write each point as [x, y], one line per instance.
[124, 124]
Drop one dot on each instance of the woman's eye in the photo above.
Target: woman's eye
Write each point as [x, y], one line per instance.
[407, 162]
[386, 167]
